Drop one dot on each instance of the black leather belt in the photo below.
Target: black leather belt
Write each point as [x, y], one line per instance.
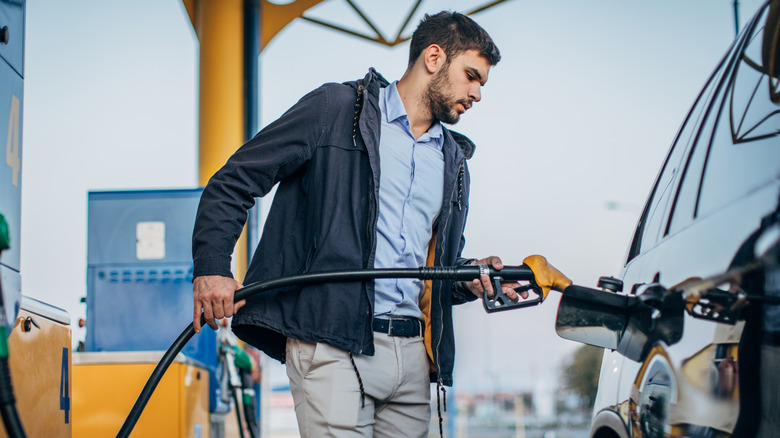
[405, 327]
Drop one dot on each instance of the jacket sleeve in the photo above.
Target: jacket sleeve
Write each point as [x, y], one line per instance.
[460, 292]
[274, 153]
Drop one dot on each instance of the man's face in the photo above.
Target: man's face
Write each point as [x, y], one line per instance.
[455, 87]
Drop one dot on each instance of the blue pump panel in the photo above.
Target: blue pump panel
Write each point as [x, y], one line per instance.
[148, 228]
[11, 111]
[143, 308]
[12, 26]
[11, 99]
[139, 273]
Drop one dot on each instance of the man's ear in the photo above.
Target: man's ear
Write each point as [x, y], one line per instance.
[434, 58]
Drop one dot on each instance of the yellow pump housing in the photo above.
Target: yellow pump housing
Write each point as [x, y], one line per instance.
[39, 358]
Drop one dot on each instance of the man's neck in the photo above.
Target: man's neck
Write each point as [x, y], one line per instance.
[412, 89]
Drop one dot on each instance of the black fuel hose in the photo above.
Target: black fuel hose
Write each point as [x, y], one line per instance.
[8, 412]
[11, 420]
[238, 413]
[452, 273]
[249, 407]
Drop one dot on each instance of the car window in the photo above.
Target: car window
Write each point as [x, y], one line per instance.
[682, 211]
[663, 193]
[647, 230]
[745, 148]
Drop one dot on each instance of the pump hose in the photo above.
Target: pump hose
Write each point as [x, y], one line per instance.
[249, 406]
[238, 412]
[453, 273]
[11, 420]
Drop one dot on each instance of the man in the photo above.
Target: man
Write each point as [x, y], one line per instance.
[368, 178]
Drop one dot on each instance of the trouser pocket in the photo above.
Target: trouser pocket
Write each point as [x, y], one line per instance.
[300, 355]
[326, 392]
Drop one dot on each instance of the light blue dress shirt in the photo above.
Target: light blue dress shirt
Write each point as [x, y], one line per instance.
[410, 198]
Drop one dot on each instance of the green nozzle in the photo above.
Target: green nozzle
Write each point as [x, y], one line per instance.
[242, 360]
[5, 239]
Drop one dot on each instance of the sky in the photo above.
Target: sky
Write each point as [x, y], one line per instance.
[573, 125]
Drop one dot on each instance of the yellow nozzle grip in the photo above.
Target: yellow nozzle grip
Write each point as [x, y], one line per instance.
[547, 276]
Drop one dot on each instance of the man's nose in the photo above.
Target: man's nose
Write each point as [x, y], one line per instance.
[475, 93]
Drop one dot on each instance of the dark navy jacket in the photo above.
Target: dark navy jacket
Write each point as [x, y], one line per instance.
[324, 153]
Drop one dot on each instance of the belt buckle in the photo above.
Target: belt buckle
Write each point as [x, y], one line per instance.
[408, 327]
[390, 331]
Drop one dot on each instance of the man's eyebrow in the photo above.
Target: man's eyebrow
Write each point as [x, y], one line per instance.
[476, 73]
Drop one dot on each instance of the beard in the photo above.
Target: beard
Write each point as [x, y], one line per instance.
[440, 101]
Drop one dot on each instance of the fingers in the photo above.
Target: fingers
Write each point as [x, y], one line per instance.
[213, 299]
[196, 316]
[478, 286]
[510, 293]
[205, 310]
[483, 284]
[494, 261]
[208, 315]
[212, 314]
[487, 285]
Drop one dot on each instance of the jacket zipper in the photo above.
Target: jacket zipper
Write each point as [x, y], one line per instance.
[369, 311]
[371, 223]
[441, 253]
[357, 114]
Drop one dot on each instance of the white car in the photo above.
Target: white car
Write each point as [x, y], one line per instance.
[692, 345]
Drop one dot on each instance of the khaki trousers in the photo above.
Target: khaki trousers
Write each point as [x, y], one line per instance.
[770, 396]
[327, 396]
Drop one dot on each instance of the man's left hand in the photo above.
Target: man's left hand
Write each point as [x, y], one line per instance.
[478, 286]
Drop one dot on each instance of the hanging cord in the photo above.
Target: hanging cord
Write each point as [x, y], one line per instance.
[360, 380]
[439, 404]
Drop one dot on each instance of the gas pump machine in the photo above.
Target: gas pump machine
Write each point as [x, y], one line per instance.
[35, 337]
[139, 295]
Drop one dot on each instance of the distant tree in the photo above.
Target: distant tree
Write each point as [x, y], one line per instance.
[580, 373]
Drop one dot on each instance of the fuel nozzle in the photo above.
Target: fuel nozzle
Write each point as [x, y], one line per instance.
[5, 238]
[5, 243]
[543, 278]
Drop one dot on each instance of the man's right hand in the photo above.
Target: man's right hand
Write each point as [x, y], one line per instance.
[213, 295]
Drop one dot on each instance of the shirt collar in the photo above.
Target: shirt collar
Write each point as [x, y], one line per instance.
[393, 109]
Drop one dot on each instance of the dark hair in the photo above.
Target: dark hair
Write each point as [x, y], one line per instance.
[455, 33]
